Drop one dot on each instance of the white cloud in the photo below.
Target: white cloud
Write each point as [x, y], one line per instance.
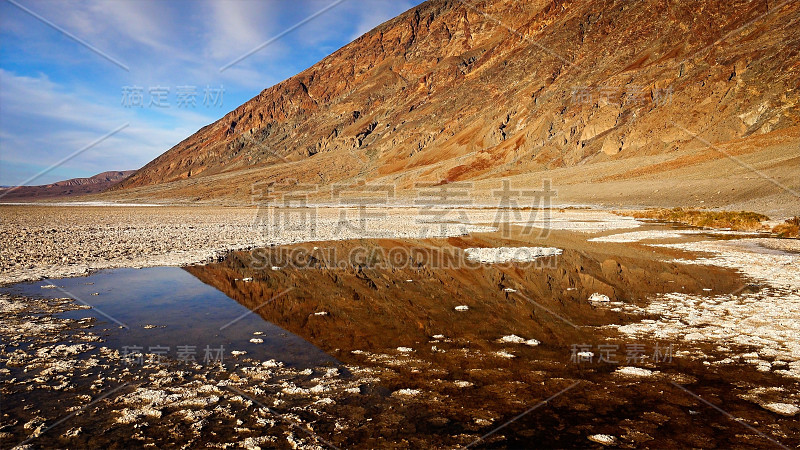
[123, 23]
[43, 122]
[236, 27]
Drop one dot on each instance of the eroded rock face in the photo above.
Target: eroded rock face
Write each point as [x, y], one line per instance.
[446, 89]
[603, 120]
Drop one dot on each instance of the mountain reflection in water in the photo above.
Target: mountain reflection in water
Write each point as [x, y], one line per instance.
[402, 301]
[390, 305]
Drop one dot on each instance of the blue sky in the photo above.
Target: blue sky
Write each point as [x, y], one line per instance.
[57, 96]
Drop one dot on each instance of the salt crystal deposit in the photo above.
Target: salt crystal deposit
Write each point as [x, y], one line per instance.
[498, 255]
[603, 439]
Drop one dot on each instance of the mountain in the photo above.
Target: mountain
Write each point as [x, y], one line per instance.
[67, 188]
[621, 96]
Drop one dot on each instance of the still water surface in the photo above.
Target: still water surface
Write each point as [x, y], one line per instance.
[167, 307]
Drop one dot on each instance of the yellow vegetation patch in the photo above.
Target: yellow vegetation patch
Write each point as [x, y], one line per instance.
[734, 220]
[790, 228]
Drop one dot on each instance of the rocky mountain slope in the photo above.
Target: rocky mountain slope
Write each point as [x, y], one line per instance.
[476, 90]
[66, 188]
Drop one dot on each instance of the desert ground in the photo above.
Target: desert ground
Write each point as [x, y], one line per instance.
[478, 224]
[384, 327]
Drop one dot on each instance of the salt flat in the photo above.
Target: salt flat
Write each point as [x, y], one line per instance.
[53, 241]
[464, 346]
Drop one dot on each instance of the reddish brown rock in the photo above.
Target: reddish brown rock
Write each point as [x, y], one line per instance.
[448, 92]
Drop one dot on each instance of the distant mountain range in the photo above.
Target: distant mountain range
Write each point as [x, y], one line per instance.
[66, 188]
